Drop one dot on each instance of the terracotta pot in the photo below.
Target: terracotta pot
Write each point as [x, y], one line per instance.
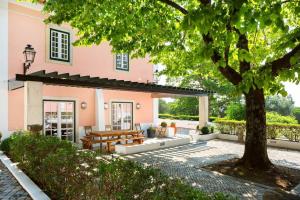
[173, 126]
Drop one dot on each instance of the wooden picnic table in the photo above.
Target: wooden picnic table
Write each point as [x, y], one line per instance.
[114, 136]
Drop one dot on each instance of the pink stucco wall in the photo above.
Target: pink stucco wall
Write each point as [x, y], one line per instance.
[142, 115]
[26, 26]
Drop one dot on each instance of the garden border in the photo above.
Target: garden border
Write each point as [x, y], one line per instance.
[27, 184]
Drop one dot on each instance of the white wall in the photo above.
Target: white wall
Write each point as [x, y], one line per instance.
[4, 68]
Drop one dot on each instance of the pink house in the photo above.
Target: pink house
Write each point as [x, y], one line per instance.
[80, 89]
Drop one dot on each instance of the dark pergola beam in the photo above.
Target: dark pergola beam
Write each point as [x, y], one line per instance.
[65, 79]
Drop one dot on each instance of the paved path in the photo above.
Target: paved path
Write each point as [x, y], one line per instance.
[186, 162]
[10, 189]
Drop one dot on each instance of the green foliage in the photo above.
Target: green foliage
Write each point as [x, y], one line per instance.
[185, 106]
[275, 117]
[236, 111]
[175, 38]
[179, 117]
[289, 131]
[64, 172]
[296, 113]
[164, 124]
[205, 130]
[120, 179]
[5, 145]
[280, 104]
[163, 106]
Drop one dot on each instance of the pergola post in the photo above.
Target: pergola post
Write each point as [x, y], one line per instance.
[33, 99]
[100, 117]
[203, 111]
[155, 111]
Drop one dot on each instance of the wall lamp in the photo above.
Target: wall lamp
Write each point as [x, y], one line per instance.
[105, 105]
[138, 105]
[29, 54]
[83, 105]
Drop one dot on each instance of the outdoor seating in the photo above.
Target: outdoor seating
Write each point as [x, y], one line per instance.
[139, 128]
[110, 137]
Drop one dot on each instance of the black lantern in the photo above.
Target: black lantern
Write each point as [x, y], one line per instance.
[29, 54]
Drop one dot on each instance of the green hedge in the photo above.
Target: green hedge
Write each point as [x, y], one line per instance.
[183, 117]
[290, 131]
[65, 172]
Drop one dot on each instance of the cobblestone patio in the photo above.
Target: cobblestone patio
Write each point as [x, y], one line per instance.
[10, 189]
[186, 162]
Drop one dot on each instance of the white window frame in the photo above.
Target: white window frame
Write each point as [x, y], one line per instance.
[122, 61]
[60, 34]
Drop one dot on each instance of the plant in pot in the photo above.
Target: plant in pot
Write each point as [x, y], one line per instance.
[173, 125]
[151, 132]
[205, 130]
[164, 124]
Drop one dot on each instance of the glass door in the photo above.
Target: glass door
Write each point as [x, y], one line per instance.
[59, 119]
[121, 113]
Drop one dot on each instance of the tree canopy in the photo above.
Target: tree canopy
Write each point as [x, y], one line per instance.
[248, 43]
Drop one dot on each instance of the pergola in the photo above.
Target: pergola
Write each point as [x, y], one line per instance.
[34, 81]
[65, 79]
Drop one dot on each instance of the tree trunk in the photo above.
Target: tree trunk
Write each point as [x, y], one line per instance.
[255, 154]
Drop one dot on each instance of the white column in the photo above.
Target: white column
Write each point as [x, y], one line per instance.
[4, 68]
[155, 111]
[203, 110]
[100, 116]
[33, 99]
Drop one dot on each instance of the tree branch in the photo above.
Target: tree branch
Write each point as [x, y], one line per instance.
[233, 76]
[283, 62]
[175, 5]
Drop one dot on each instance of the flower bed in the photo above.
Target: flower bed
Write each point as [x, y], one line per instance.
[64, 172]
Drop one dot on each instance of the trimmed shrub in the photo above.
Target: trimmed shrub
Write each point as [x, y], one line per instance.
[164, 124]
[64, 172]
[296, 113]
[119, 180]
[205, 130]
[273, 117]
[290, 131]
[184, 117]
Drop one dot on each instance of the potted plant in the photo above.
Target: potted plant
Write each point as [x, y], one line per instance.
[164, 124]
[173, 125]
[205, 130]
[151, 132]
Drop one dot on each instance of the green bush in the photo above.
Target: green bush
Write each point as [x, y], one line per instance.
[236, 111]
[164, 124]
[5, 145]
[296, 113]
[64, 172]
[205, 130]
[290, 131]
[274, 117]
[56, 166]
[123, 179]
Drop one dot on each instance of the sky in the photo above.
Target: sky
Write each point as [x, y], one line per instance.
[293, 90]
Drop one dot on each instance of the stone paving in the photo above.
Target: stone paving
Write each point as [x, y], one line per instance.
[10, 189]
[186, 162]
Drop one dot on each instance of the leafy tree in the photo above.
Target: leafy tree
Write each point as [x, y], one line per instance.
[296, 113]
[254, 45]
[280, 104]
[163, 107]
[185, 106]
[236, 111]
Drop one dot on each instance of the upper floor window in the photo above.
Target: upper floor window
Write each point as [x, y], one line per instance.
[122, 62]
[59, 45]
